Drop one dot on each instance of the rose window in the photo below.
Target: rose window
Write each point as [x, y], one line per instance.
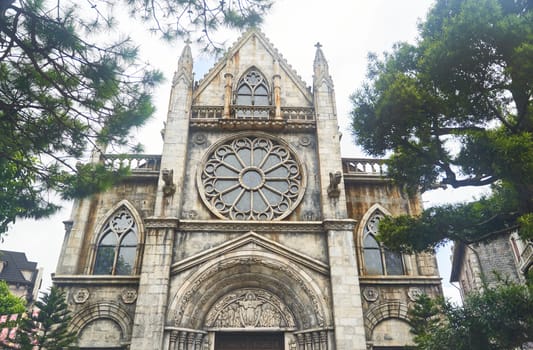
[251, 178]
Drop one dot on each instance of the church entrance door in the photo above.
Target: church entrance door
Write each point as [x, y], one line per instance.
[249, 341]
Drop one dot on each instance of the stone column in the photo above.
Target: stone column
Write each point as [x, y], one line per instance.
[228, 76]
[277, 91]
[151, 309]
[347, 306]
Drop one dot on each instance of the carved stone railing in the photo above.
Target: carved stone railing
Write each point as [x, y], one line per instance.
[207, 112]
[526, 257]
[364, 167]
[135, 162]
[301, 114]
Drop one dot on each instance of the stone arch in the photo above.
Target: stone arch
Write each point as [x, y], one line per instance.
[240, 270]
[240, 81]
[101, 311]
[100, 225]
[383, 311]
[359, 239]
[365, 218]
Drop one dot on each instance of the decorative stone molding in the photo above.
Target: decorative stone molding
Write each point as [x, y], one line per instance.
[414, 293]
[381, 311]
[245, 226]
[106, 310]
[305, 141]
[81, 295]
[247, 308]
[156, 222]
[128, 296]
[199, 139]
[339, 225]
[210, 274]
[370, 294]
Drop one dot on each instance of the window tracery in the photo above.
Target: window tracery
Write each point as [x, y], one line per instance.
[251, 178]
[252, 90]
[117, 245]
[378, 259]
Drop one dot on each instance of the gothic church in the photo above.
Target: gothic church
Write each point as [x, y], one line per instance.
[249, 231]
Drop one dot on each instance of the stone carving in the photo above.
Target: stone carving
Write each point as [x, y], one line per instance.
[251, 178]
[316, 304]
[334, 181]
[250, 308]
[199, 139]
[414, 293]
[305, 141]
[81, 295]
[169, 188]
[370, 294]
[128, 296]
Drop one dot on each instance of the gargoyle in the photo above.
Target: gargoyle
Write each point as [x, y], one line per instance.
[169, 188]
[334, 181]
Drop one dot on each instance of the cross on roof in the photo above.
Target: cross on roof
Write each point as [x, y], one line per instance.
[318, 45]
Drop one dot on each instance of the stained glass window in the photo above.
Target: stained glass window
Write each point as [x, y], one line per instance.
[117, 247]
[251, 178]
[378, 259]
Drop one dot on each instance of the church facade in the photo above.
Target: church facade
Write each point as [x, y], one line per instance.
[249, 231]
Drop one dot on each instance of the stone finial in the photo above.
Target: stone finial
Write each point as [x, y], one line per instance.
[185, 65]
[321, 69]
[320, 65]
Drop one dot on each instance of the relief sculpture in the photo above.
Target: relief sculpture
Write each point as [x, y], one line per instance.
[250, 308]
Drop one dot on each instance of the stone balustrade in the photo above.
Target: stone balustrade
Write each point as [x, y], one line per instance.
[364, 167]
[302, 114]
[135, 162]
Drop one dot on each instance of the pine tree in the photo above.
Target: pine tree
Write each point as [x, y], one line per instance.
[49, 328]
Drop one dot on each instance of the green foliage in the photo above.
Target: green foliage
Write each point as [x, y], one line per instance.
[499, 318]
[197, 19]
[63, 92]
[9, 303]
[454, 110]
[53, 318]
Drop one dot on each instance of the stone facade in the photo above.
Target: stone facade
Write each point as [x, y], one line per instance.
[504, 257]
[248, 228]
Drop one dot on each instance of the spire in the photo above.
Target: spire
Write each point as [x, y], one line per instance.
[185, 63]
[320, 67]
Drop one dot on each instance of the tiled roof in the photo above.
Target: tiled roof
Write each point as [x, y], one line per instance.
[14, 263]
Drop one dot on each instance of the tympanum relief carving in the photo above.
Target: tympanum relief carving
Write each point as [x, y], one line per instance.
[249, 308]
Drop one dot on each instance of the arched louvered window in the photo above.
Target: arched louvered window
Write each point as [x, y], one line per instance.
[117, 245]
[378, 259]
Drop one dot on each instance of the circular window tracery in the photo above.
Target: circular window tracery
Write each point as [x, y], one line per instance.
[251, 178]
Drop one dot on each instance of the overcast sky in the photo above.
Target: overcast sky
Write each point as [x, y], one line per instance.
[347, 29]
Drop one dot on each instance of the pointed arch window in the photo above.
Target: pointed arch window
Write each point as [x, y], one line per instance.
[252, 97]
[378, 259]
[117, 245]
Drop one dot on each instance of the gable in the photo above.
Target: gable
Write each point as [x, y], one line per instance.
[252, 50]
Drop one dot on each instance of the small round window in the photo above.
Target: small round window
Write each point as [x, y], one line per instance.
[251, 178]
